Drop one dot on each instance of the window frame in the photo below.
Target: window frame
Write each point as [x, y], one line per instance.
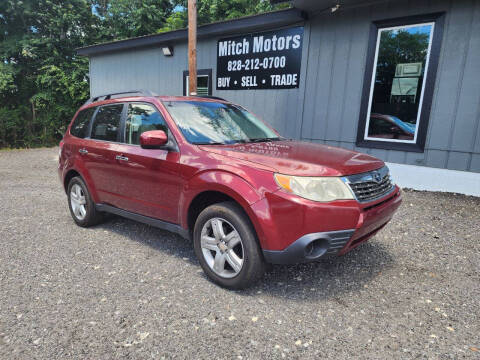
[200, 72]
[418, 145]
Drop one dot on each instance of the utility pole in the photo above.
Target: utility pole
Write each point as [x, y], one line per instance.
[192, 47]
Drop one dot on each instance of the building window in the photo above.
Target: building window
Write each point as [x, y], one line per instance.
[204, 82]
[399, 82]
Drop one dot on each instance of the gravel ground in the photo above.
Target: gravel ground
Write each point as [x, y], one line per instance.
[127, 290]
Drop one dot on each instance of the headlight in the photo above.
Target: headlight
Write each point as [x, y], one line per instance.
[315, 188]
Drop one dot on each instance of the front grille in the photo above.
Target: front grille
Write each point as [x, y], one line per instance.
[371, 185]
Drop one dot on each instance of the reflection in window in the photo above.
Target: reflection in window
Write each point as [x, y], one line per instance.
[141, 118]
[80, 124]
[398, 81]
[106, 123]
[211, 122]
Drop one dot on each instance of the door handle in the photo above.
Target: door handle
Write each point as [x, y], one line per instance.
[83, 151]
[121, 157]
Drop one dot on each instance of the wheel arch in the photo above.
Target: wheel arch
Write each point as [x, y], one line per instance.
[207, 190]
[71, 173]
[203, 200]
[69, 176]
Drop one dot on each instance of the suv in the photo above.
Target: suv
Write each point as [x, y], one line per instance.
[213, 172]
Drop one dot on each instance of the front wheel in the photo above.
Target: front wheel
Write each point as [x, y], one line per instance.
[226, 246]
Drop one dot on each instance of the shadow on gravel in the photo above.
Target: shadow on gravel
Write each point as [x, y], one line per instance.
[327, 278]
[157, 239]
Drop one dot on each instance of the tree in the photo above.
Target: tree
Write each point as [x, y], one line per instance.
[37, 49]
[131, 18]
[43, 81]
[217, 10]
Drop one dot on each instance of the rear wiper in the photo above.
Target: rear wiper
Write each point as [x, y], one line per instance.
[264, 139]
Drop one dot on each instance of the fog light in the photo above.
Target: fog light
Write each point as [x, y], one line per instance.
[316, 248]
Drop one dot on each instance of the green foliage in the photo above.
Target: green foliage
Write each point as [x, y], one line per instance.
[7, 79]
[398, 47]
[43, 81]
[130, 18]
[177, 20]
[217, 10]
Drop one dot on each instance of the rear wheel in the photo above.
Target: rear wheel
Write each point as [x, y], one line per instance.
[82, 207]
[226, 246]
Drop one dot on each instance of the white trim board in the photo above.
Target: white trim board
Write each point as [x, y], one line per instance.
[434, 179]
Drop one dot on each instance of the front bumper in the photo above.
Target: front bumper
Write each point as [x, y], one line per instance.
[294, 230]
[310, 247]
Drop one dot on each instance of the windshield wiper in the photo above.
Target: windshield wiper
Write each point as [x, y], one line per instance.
[210, 143]
[230, 142]
[239, 141]
[264, 139]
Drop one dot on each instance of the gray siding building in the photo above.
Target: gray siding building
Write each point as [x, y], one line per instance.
[396, 79]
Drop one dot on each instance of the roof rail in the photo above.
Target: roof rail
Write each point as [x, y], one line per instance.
[211, 97]
[109, 96]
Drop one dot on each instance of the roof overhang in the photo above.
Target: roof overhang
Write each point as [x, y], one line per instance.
[314, 6]
[259, 22]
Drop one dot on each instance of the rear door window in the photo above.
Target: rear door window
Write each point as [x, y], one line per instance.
[107, 123]
[141, 118]
[80, 125]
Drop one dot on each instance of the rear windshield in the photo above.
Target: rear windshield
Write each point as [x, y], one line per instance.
[203, 122]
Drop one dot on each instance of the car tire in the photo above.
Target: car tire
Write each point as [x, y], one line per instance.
[226, 245]
[82, 208]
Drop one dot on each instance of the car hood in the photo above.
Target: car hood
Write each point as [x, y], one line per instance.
[300, 158]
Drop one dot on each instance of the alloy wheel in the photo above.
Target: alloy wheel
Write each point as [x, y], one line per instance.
[222, 247]
[78, 202]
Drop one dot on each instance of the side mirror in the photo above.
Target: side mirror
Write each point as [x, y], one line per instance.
[154, 139]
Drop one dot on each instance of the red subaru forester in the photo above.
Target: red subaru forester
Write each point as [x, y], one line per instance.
[210, 170]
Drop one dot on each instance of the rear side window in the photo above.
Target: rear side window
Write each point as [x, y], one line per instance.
[79, 127]
[107, 122]
[141, 118]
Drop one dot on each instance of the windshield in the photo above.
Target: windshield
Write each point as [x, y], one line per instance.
[204, 122]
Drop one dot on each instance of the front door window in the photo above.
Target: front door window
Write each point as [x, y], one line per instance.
[141, 118]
